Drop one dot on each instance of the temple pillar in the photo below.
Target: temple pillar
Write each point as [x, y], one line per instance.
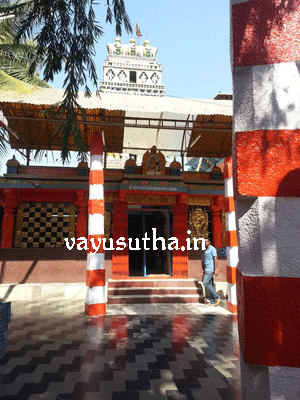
[120, 258]
[217, 226]
[230, 238]
[180, 227]
[95, 276]
[266, 175]
[81, 204]
[10, 203]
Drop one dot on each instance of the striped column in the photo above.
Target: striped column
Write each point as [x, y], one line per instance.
[230, 238]
[265, 43]
[95, 274]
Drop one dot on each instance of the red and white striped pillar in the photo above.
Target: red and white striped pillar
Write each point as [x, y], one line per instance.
[95, 275]
[230, 238]
[265, 43]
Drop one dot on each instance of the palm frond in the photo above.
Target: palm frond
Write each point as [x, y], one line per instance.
[16, 59]
[21, 74]
[8, 82]
[67, 33]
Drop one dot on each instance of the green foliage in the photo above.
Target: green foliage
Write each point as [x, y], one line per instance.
[15, 61]
[67, 33]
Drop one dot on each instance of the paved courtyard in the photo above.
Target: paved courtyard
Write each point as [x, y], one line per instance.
[143, 352]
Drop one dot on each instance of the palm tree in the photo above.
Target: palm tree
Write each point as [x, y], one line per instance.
[15, 61]
[66, 33]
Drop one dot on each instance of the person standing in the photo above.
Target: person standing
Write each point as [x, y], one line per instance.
[210, 267]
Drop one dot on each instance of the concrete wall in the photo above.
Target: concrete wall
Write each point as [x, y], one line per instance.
[266, 80]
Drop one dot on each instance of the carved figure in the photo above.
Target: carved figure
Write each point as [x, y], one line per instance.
[107, 224]
[122, 76]
[133, 50]
[153, 164]
[154, 78]
[110, 74]
[198, 221]
[118, 48]
[143, 77]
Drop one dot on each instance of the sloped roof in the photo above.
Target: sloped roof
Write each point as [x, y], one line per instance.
[130, 122]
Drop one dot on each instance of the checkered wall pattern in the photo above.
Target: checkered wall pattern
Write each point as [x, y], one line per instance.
[43, 224]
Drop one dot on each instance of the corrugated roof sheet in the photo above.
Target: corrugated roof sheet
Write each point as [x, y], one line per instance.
[35, 130]
[125, 102]
[162, 139]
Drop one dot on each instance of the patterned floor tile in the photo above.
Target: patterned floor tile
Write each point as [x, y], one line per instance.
[153, 352]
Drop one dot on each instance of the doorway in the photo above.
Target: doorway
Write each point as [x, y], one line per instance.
[149, 257]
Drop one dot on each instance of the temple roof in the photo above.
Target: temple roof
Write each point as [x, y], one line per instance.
[132, 123]
[131, 49]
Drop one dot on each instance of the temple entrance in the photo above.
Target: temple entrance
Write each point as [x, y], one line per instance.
[148, 257]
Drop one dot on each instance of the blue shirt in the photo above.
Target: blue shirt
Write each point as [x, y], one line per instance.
[209, 255]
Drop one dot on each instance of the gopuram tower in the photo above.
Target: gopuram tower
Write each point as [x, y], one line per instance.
[132, 69]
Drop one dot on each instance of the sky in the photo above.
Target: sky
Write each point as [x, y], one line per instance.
[192, 38]
[193, 47]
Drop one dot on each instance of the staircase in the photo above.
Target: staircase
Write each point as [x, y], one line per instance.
[154, 290]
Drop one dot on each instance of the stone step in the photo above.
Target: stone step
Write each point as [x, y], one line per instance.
[152, 291]
[151, 283]
[143, 299]
[156, 289]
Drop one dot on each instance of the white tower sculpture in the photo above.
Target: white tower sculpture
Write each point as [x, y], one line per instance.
[132, 69]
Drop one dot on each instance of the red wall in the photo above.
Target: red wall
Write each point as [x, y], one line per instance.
[42, 265]
[60, 265]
